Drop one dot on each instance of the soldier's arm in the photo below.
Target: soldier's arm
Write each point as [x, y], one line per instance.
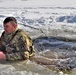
[2, 51]
[27, 47]
[2, 47]
[23, 46]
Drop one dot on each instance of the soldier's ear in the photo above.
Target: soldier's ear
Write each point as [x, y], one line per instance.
[15, 26]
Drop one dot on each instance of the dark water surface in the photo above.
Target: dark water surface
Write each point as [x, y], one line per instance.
[57, 53]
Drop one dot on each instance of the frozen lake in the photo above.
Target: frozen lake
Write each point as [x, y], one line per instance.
[53, 30]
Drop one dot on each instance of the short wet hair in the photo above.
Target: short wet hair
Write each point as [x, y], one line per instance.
[9, 19]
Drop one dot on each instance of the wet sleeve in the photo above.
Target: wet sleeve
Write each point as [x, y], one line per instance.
[21, 52]
[2, 47]
[22, 46]
[26, 46]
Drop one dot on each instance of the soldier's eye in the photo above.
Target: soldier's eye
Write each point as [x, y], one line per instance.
[6, 26]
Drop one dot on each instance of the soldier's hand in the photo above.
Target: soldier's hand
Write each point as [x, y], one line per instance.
[2, 56]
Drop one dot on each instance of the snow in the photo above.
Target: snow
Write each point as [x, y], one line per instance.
[17, 3]
[45, 18]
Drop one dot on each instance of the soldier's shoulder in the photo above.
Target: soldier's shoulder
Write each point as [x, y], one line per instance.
[22, 32]
[2, 35]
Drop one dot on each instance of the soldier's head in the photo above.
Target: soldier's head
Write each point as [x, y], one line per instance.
[10, 25]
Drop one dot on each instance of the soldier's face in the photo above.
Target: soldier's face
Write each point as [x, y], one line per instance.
[9, 28]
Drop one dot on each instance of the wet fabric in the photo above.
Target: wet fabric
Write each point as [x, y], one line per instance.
[18, 45]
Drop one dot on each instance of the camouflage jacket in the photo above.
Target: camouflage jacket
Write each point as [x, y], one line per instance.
[17, 46]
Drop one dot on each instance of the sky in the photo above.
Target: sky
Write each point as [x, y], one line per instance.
[19, 3]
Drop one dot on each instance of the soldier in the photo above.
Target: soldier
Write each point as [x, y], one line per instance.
[15, 44]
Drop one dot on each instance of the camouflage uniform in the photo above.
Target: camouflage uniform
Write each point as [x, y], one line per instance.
[17, 46]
